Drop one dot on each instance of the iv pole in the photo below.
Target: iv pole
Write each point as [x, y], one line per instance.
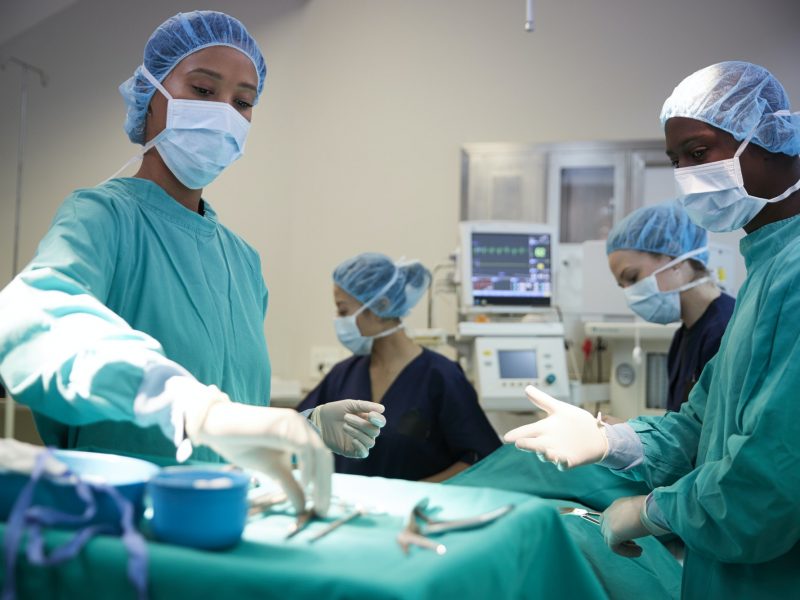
[23, 105]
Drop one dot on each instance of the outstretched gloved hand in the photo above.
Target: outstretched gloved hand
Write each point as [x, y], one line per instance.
[568, 436]
[263, 439]
[349, 427]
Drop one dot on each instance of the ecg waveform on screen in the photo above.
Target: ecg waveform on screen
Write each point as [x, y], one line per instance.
[497, 250]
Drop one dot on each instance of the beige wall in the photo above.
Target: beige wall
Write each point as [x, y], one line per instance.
[355, 145]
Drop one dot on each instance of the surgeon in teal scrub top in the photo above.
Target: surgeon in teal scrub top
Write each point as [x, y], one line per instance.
[138, 326]
[725, 469]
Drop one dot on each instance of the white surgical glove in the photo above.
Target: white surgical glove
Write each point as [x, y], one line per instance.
[622, 522]
[21, 457]
[569, 436]
[349, 427]
[259, 438]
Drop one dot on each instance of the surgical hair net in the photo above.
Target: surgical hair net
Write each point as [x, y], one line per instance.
[661, 229]
[737, 97]
[365, 276]
[175, 39]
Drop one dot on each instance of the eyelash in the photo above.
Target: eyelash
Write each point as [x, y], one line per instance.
[698, 153]
[242, 104]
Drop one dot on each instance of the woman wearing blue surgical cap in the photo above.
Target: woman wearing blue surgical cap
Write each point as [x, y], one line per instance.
[725, 469]
[434, 427]
[140, 318]
[659, 257]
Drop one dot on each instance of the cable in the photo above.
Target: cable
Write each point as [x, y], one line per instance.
[436, 268]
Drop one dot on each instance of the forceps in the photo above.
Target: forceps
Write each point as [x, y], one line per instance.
[433, 526]
[413, 534]
[360, 510]
[302, 521]
[591, 516]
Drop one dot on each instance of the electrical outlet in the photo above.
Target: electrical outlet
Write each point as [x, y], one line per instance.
[324, 357]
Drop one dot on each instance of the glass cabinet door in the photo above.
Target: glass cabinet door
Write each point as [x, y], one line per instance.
[586, 190]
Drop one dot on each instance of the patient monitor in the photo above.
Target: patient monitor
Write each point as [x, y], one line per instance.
[532, 355]
[507, 279]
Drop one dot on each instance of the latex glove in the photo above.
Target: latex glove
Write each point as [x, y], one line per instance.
[569, 436]
[264, 439]
[621, 522]
[349, 427]
[21, 457]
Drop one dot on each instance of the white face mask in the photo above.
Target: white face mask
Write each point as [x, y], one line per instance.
[714, 196]
[650, 303]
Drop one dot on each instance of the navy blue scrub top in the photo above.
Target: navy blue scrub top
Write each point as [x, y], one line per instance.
[432, 417]
[692, 348]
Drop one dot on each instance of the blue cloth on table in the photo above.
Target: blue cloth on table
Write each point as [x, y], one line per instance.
[432, 417]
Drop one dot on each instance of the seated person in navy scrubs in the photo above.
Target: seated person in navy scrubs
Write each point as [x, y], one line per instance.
[659, 257]
[434, 425]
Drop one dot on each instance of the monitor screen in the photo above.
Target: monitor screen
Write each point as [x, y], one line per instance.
[517, 364]
[511, 269]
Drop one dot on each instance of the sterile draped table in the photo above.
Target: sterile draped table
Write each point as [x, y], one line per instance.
[527, 553]
[656, 574]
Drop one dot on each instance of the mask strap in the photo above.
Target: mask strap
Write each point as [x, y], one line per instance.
[149, 76]
[746, 141]
[680, 259]
[140, 155]
[388, 332]
[692, 284]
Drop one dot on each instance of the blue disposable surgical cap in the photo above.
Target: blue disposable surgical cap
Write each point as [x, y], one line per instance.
[366, 276]
[175, 39]
[661, 229]
[738, 97]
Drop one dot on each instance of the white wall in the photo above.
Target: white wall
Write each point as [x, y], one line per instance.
[355, 145]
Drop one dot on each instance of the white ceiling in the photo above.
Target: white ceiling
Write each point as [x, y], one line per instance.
[16, 16]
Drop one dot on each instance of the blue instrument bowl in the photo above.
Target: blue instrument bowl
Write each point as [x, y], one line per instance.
[128, 475]
[197, 507]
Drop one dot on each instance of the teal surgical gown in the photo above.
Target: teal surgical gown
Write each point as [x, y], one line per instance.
[128, 281]
[726, 468]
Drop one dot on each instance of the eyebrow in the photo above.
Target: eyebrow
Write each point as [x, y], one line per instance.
[697, 138]
[218, 77]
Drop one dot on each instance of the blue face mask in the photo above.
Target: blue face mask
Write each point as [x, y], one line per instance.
[350, 335]
[201, 138]
[651, 304]
[714, 195]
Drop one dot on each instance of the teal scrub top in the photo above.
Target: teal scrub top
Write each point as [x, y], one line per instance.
[187, 290]
[726, 468]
